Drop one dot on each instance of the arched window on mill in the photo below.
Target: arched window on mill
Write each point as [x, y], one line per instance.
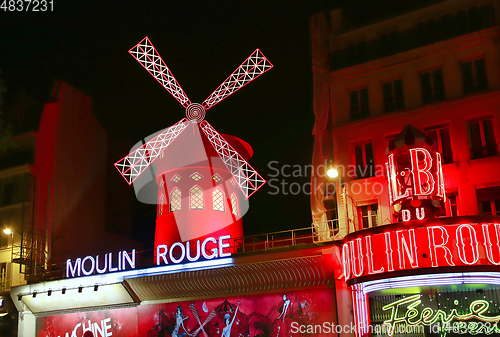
[196, 197]
[175, 200]
[218, 200]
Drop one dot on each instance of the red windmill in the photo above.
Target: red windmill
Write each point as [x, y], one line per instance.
[180, 171]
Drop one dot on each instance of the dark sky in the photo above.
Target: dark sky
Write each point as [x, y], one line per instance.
[85, 43]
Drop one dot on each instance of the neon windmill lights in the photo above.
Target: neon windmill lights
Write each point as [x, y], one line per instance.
[132, 165]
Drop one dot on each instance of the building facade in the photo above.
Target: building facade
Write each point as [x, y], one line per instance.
[436, 68]
[52, 190]
[425, 79]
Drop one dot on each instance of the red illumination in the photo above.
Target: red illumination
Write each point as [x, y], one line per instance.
[416, 185]
[417, 245]
[423, 182]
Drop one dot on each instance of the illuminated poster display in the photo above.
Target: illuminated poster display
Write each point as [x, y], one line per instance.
[440, 243]
[280, 314]
[116, 323]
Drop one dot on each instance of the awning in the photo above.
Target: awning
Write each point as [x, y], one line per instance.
[251, 277]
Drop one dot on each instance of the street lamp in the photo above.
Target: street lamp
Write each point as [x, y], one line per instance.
[332, 173]
[8, 231]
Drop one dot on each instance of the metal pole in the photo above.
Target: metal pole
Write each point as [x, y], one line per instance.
[11, 257]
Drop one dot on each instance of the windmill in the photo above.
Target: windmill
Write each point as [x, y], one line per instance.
[242, 175]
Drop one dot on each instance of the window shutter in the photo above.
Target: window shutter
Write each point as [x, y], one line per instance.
[468, 80]
[438, 85]
[365, 108]
[398, 92]
[388, 97]
[425, 80]
[354, 105]
[482, 79]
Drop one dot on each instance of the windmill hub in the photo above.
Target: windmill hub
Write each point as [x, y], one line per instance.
[195, 112]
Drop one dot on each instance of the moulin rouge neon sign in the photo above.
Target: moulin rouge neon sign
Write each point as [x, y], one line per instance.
[450, 321]
[177, 253]
[405, 247]
[416, 184]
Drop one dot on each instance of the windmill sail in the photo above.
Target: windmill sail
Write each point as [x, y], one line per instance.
[245, 176]
[254, 66]
[145, 53]
[132, 165]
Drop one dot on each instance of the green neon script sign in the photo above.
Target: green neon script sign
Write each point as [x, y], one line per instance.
[446, 322]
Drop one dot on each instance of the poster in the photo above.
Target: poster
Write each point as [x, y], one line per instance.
[105, 323]
[273, 315]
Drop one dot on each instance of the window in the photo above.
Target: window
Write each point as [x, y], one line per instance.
[489, 207]
[432, 86]
[217, 178]
[452, 204]
[391, 141]
[359, 104]
[196, 176]
[8, 190]
[393, 96]
[234, 205]
[196, 198]
[482, 138]
[474, 77]
[363, 155]
[441, 137]
[175, 200]
[218, 200]
[176, 178]
[389, 43]
[4, 275]
[5, 239]
[368, 216]
[489, 201]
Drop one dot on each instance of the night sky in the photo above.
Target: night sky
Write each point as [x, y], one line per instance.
[85, 43]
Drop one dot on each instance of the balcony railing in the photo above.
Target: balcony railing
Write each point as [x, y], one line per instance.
[284, 239]
[426, 33]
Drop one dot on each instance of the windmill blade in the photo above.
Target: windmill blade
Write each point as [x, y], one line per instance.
[244, 175]
[132, 165]
[207, 320]
[194, 311]
[254, 66]
[145, 53]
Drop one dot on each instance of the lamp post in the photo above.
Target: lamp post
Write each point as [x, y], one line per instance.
[8, 231]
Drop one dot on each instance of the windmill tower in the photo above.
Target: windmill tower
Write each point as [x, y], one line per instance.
[201, 181]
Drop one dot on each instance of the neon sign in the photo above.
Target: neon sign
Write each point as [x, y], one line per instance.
[427, 316]
[408, 247]
[179, 251]
[100, 265]
[415, 177]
